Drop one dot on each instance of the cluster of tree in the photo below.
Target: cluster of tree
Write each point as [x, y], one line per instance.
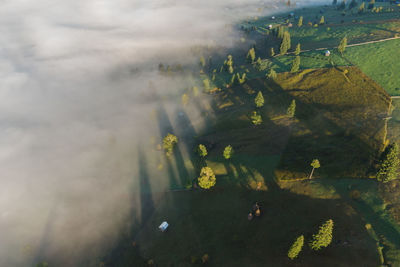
[169, 69]
[169, 142]
[388, 169]
[320, 240]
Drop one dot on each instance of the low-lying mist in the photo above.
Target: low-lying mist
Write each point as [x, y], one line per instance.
[83, 108]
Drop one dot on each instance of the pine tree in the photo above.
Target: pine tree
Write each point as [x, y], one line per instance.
[361, 9]
[272, 52]
[228, 152]
[285, 46]
[259, 100]
[272, 74]
[185, 99]
[251, 55]
[281, 32]
[324, 236]
[202, 150]
[233, 79]
[202, 61]
[315, 164]
[207, 178]
[295, 64]
[229, 63]
[390, 164]
[322, 20]
[169, 142]
[206, 83]
[342, 45]
[296, 247]
[256, 118]
[291, 109]
[298, 50]
[300, 23]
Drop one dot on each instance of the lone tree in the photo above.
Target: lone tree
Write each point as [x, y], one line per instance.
[206, 84]
[315, 165]
[322, 20]
[229, 63]
[202, 150]
[342, 45]
[295, 64]
[259, 100]
[185, 99]
[300, 23]
[324, 236]
[298, 50]
[256, 118]
[291, 109]
[251, 55]
[390, 164]
[285, 45]
[228, 152]
[296, 247]
[207, 178]
[272, 52]
[361, 9]
[169, 142]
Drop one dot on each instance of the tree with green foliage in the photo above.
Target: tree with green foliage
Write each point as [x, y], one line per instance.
[300, 23]
[315, 165]
[342, 45]
[281, 31]
[169, 142]
[390, 164]
[324, 236]
[256, 118]
[361, 9]
[298, 50]
[296, 247]
[185, 99]
[242, 79]
[202, 61]
[202, 150]
[371, 4]
[206, 84]
[228, 152]
[291, 109]
[207, 178]
[272, 52]
[251, 55]
[285, 45]
[272, 74]
[295, 64]
[229, 63]
[322, 20]
[259, 100]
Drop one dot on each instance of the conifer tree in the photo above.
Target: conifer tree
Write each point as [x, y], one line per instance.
[285, 45]
[202, 61]
[322, 20]
[256, 118]
[281, 32]
[361, 9]
[295, 64]
[342, 45]
[390, 164]
[272, 52]
[300, 23]
[229, 63]
[251, 55]
[259, 100]
[324, 236]
[296, 247]
[272, 74]
[298, 50]
[228, 152]
[291, 109]
[207, 178]
[206, 83]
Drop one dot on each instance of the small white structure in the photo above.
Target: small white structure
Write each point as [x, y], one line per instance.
[327, 53]
[163, 227]
[273, 17]
[270, 26]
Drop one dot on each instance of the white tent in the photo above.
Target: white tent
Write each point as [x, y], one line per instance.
[163, 226]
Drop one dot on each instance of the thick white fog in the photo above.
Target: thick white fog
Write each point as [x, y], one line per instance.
[78, 118]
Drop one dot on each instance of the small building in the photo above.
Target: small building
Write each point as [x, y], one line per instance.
[163, 226]
[327, 53]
